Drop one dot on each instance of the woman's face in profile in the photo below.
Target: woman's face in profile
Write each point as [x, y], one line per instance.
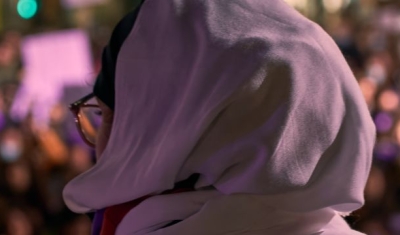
[107, 116]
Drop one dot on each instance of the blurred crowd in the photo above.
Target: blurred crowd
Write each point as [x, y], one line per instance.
[36, 162]
[372, 49]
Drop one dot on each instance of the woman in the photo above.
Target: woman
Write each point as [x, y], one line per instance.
[248, 103]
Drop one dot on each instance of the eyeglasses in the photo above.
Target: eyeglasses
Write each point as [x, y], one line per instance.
[86, 116]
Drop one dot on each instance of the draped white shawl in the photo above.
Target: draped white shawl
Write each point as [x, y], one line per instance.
[252, 96]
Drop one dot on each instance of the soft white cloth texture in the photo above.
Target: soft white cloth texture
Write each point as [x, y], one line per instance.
[251, 95]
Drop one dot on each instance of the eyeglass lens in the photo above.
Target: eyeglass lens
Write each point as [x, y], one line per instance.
[90, 118]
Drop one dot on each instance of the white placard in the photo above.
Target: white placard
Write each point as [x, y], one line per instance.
[51, 62]
[81, 3]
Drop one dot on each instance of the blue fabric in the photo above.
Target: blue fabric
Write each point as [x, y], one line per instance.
[97, 222]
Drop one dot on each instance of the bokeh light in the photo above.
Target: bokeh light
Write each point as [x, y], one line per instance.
[27, 8]
[299, 4]
[377, 72]
[368, 88]
[383, 122]
[386, 151]
[334, 6]
[389, 100]
[397, 132]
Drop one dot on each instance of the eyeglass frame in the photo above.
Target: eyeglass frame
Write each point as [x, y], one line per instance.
[75, 108]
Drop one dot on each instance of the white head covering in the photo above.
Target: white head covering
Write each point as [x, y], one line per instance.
[249, 94]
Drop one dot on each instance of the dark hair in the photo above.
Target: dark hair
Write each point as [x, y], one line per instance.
[104, 87]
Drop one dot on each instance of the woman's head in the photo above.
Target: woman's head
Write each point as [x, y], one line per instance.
[230, 102]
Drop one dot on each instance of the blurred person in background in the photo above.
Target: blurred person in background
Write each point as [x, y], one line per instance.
[223, 118]
[19, 222]
[378, 41]
[80, 225]
[23, 186]
[9, 60]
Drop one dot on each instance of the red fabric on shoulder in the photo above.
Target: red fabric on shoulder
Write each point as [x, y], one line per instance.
[113, 215]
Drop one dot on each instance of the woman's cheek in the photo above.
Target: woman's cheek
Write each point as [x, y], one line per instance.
[103, 137]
